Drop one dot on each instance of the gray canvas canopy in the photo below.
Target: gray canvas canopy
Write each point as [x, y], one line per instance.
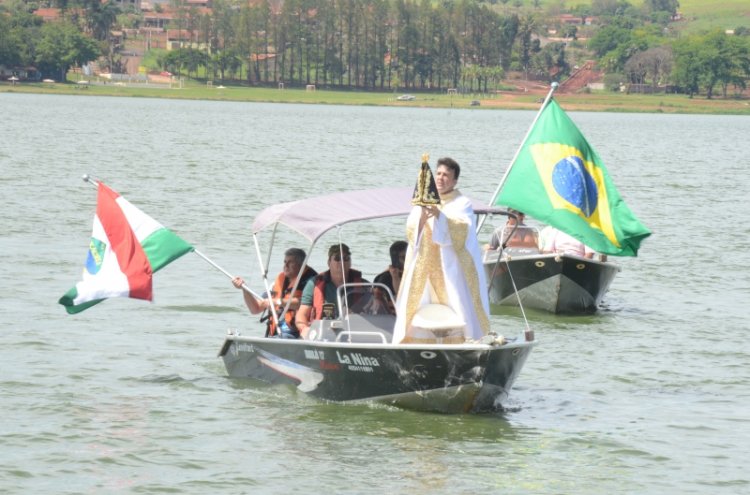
[312, 217]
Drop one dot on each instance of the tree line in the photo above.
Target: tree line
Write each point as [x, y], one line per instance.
[364, 44]
[388, 44]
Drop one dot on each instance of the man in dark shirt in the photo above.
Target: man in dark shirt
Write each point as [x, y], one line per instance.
[391, 277]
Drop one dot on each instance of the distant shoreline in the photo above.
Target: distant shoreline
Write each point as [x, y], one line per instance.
[590, 102]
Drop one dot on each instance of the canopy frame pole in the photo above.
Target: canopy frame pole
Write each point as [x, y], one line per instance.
[267, 264]
[269, 298]
[344, 310]
[297, 281]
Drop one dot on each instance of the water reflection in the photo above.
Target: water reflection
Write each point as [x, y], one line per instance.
[377, 420]
[423, 453]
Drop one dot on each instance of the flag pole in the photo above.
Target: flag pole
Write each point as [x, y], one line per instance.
[87, 178]
[552, 89]
[231, 277]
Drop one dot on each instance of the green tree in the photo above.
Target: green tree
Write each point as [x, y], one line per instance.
[226, 61]
[171, 62]
[100, 17]
[525, 30]
[19, 34]
[582, 11]
[62, 46]
[718, 59]
[551, 59]
[610, 7]
[10, 43]
[688, 64]
[469, 74]
[509, 31]
[669, 6]
[729, 62]
[608, 38]
[569, 31]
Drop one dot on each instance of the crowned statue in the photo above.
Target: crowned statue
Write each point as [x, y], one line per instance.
[425, 190]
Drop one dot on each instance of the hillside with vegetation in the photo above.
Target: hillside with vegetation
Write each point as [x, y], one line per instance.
[691, 47]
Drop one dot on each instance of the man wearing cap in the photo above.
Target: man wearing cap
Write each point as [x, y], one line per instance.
[391, 277]
[318, 299]
[444, 262]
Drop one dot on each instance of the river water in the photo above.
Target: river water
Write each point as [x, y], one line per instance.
[650, 395]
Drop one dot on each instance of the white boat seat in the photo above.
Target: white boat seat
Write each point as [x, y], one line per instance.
[437, 317]
[358, 328]
[436, 321]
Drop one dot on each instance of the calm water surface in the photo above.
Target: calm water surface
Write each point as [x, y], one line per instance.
[648, 396]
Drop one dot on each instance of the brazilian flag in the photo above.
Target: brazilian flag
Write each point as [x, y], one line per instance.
[559, 179]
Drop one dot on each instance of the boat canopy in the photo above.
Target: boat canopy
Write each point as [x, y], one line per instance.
[313, 217]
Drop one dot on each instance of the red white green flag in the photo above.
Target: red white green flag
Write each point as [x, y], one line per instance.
[127, 247]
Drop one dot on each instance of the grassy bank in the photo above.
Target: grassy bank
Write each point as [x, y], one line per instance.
[595, 101]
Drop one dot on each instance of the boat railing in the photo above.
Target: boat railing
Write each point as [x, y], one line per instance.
[359, 328]
[491, 256]
[368, 315]
[369, 312]
[366, 298]
[359, 336]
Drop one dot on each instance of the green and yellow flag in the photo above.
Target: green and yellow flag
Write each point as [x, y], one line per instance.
[559, 179]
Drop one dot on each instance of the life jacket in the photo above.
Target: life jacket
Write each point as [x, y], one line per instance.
[283, 287]
[319, 294]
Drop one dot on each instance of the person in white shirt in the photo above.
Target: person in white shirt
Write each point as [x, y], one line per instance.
[557, 241]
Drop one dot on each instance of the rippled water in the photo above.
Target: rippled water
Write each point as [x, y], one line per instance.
[649, 395]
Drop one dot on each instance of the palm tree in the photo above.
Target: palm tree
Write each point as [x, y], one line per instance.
[100, 18]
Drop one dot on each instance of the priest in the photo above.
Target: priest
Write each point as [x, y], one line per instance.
[443, 268]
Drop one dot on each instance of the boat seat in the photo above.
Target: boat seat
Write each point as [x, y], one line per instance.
[363, 328]
[437, 317]
[359, 328]
[320, 330]
[436, 322]
[521, 251]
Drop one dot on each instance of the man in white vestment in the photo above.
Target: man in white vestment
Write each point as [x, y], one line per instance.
[443, 264]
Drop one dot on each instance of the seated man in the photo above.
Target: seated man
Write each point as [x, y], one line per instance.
[282, 293]
[319, 301]
[391, 277]
[523, 236]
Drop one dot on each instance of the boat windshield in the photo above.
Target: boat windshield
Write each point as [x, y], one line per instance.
[366, 298]
[368, 316]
